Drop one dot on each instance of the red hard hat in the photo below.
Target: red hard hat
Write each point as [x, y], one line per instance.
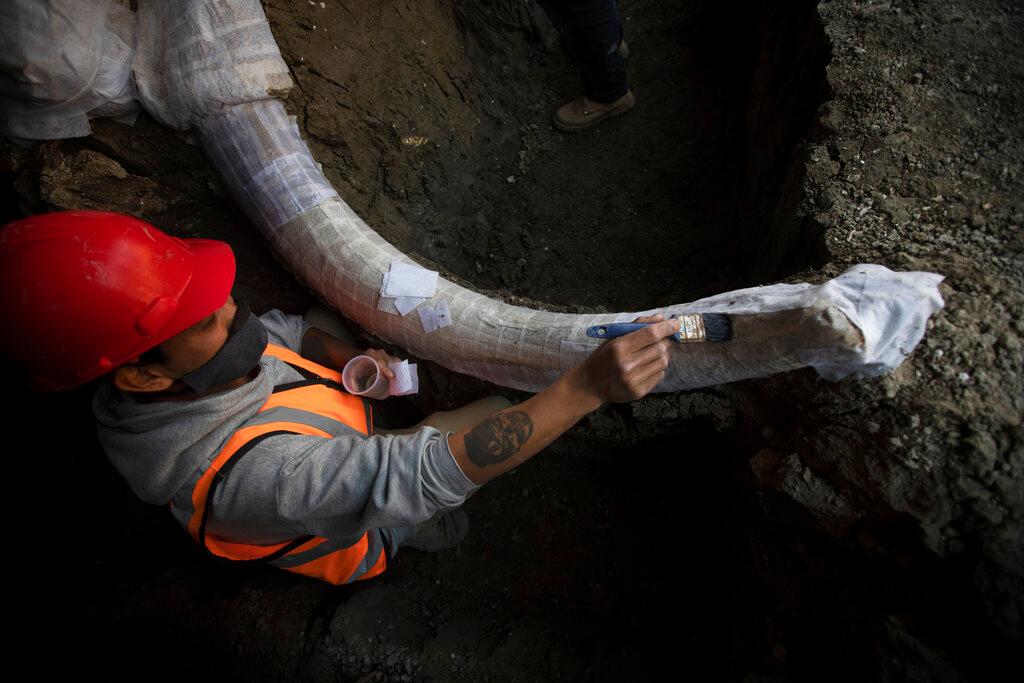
[82, 292]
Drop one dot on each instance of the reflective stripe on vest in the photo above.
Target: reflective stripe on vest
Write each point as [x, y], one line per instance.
[313, 406]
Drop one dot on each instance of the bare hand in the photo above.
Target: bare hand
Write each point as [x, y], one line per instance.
[627, 368]
[383, 358]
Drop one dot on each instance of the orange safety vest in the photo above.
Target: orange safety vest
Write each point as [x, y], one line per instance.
[335, 560]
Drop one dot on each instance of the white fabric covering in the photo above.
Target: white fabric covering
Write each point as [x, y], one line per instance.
[62, 63]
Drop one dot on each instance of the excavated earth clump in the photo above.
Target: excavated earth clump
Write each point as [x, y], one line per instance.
[774, 529]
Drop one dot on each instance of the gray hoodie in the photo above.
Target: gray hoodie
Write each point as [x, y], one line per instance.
[289, 485]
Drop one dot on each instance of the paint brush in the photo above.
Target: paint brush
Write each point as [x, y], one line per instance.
[695, 327]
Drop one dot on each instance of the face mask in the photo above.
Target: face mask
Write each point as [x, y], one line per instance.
[246, 342]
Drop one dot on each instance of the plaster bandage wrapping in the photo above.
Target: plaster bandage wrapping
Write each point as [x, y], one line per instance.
[198, 58]
[273, 179]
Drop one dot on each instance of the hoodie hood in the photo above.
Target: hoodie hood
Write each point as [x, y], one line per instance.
[157, 446]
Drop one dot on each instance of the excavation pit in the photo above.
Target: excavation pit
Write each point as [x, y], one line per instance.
[640, 542]
[434, 122]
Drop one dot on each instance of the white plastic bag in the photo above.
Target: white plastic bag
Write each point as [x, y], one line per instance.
[62, 63]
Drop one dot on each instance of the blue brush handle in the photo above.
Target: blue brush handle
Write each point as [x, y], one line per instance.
[613, 330]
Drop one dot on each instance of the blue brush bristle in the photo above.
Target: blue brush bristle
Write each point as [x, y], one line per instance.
[717, 327]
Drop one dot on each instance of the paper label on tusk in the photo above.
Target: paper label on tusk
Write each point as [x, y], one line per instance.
[404, 304]
[428, 318]
[408, 279]
[444, 314]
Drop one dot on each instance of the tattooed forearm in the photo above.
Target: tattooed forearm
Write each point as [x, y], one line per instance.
[498, 437]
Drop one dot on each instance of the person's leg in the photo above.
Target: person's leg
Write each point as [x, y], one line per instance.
[466, 416]
[596, 26]
[323, 318]
[442, 531]
[448, 527]
[556, 11]
[454, 420]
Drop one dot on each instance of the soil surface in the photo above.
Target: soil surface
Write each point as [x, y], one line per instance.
[777, 529]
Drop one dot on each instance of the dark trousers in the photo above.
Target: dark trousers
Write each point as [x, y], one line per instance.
[591, 30]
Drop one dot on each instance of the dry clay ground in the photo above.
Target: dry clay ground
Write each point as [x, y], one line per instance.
[775, 529]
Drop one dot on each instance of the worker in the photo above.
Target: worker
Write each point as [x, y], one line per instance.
[591, 32]
[239, 423]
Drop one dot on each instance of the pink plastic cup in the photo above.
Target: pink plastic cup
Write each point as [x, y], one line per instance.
[362, 377]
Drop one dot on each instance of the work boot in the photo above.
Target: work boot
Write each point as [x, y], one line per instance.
[442, 531]
[583, 112]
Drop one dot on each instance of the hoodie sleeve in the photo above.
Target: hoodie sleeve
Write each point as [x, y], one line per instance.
[341, 486]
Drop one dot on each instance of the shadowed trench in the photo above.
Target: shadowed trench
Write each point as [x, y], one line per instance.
[623, 549]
